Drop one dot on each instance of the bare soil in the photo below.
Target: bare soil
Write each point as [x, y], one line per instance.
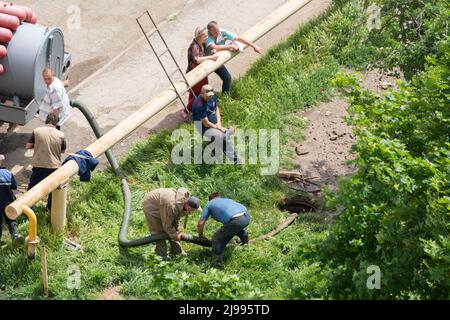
[325, 153]
[111, 294]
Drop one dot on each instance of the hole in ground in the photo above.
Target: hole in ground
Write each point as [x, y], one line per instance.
[298, 205]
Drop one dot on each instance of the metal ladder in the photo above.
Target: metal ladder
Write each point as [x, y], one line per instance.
[159, 55]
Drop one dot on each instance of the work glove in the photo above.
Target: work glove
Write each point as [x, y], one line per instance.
[179, 235]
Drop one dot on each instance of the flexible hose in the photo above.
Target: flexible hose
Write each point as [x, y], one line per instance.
[123, 241]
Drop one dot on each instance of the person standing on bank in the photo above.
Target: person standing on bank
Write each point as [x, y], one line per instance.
[196, 56]
[235, 219]
[48, 144]
[217, 41]
[55, 100]
[7, 185]
[163, 209]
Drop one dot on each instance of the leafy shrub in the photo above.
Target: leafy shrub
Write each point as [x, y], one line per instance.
[163, 282]
[396, 211]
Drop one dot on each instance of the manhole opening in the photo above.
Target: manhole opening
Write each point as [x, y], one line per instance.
[298, 205]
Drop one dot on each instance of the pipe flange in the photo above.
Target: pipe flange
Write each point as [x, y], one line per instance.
[32, 242]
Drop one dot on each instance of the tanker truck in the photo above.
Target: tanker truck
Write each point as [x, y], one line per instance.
[26, 48]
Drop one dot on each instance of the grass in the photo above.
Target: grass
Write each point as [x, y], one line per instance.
[292, 76]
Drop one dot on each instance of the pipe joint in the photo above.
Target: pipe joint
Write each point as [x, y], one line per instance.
[32, 240]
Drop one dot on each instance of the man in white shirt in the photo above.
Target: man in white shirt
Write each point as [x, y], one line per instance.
[55, 99]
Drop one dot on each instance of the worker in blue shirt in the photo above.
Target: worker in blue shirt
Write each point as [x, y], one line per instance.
[235, 219]
[7, 184]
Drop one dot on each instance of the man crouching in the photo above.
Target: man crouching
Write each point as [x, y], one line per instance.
[163, 209]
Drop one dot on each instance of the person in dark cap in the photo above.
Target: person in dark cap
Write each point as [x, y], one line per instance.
[235, 219]
[163, 209]
[7, 185]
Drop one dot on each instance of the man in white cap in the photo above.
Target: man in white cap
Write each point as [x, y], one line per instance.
[208, 122]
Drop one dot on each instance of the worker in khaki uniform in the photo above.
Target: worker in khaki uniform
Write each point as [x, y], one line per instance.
[163, 209]
[48, 144]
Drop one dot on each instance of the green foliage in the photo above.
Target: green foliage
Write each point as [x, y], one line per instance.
[409, 32]
[396, 212]
[161, 281]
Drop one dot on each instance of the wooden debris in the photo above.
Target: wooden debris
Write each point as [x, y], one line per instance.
[72, 245]
[290, 175]
[297, 177]
[286, 223]
[300, 153]
[44, 270]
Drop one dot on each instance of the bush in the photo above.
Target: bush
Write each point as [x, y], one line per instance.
[396, 209]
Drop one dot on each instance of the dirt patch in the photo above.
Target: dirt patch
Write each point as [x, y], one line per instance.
[111, 294]
[325, 152]
[324, 155]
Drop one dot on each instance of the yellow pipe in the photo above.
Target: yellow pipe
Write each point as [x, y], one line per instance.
[32, 239]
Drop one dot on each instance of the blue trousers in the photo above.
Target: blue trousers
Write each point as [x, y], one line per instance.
[37, 176]
[223, 236]
[8, 221]
[226, 78]
[227, 142]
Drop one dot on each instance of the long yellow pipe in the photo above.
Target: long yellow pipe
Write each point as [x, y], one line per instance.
[32, 239]
[134, 121]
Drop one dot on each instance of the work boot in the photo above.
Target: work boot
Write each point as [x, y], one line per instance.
[182, 254]
[16, 237]
[177, 249]
[161, 249]
[217, 261]
[244, 240]
[184, 116]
